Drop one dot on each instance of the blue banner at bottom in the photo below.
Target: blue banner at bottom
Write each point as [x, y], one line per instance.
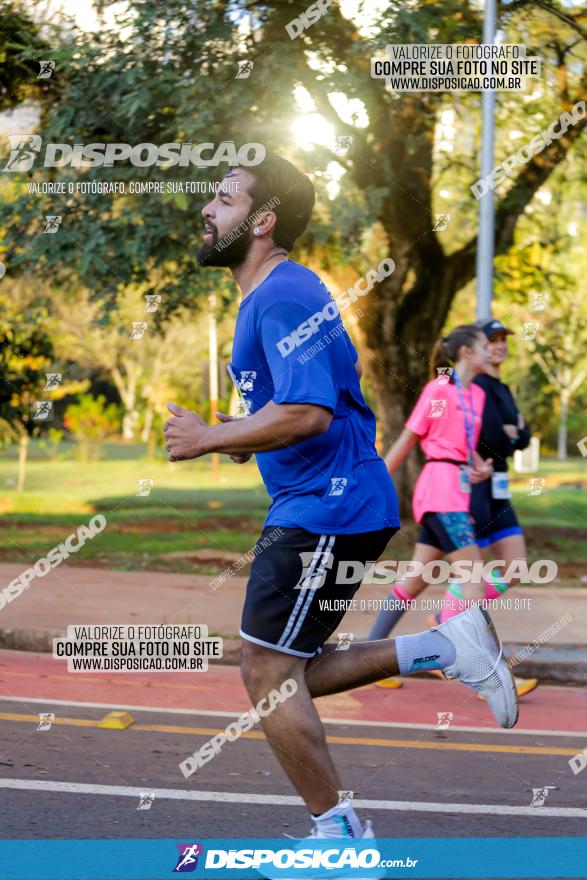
[310, 859]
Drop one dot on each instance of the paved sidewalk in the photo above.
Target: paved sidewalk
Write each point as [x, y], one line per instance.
[72, 595]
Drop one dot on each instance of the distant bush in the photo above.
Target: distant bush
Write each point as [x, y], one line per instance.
[92, 421]
[51, 443]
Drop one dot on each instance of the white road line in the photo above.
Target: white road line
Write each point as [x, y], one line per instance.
[577, 734]
[228, 797]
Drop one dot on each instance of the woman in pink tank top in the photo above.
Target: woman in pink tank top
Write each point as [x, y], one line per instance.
[446, 422]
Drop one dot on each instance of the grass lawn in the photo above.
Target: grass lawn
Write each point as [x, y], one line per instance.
[188, 511]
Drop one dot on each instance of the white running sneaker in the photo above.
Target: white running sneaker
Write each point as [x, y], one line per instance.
[375, 873]
[479, 662]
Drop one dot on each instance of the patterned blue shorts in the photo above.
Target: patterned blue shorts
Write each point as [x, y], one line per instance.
[447, 531]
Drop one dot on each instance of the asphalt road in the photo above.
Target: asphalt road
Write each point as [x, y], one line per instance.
[257, 797]
[75, 780]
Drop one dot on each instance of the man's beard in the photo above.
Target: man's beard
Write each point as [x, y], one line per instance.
[230, 255]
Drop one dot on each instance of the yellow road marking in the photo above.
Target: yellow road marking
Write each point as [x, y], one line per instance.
[334, 740]
[369, 741]
[73, 722]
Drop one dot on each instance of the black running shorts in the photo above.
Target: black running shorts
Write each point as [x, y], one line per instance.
[495, 518]
[290, 604]
[447, 531]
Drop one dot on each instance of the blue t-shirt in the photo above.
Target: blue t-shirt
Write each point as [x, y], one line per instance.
[290, 346]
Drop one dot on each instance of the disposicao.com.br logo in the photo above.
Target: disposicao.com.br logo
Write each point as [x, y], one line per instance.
[187, 860]
[26, 148]
[312, 860]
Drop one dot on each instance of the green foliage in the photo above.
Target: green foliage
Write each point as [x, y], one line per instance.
[92, 421]
[21, 49]
[167, 74]
[549, 256]
[148, 95]
[26, 354]
[52, 443]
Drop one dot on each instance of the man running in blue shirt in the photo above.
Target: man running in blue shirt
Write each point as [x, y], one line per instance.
[333, 501]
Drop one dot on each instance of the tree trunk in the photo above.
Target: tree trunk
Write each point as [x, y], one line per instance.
[147, 425]
[563, 425]
[23, 445]
[398, 332]
[129, 424]
[126, 385]
[151, 445]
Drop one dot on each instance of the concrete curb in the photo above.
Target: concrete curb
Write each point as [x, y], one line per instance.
[35, 640]
[560, 664]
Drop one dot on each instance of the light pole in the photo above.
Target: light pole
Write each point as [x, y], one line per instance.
[486, 237]
[213, 376]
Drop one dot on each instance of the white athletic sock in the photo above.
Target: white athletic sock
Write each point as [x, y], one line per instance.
[340, 821]
[427, 650]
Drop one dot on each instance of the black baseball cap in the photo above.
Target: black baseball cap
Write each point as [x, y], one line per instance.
[493, 327]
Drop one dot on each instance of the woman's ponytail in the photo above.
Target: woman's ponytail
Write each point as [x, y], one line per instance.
[439, 356]
[446, 351]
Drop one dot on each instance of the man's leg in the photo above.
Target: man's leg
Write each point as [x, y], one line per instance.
[284, 623]
[333, 671]
[293, 729]
[466, 647]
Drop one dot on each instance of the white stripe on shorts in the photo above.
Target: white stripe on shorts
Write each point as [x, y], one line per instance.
[302, 594]
[319, 572]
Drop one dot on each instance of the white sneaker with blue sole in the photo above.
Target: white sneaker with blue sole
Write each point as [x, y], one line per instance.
[480, 664]
[374, 873]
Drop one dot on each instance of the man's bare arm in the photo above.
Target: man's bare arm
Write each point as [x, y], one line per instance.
[274, 426]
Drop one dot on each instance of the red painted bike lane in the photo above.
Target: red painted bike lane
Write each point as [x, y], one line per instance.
[31, 676]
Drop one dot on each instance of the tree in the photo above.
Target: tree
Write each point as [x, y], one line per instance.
[387, 192]
[92, 421]
[18, 70]
[542, 280]
[148, 353]
[27, 360]
[559, 365]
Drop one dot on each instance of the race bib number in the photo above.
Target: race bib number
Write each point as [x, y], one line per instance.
[500, 486]
[464, 481]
